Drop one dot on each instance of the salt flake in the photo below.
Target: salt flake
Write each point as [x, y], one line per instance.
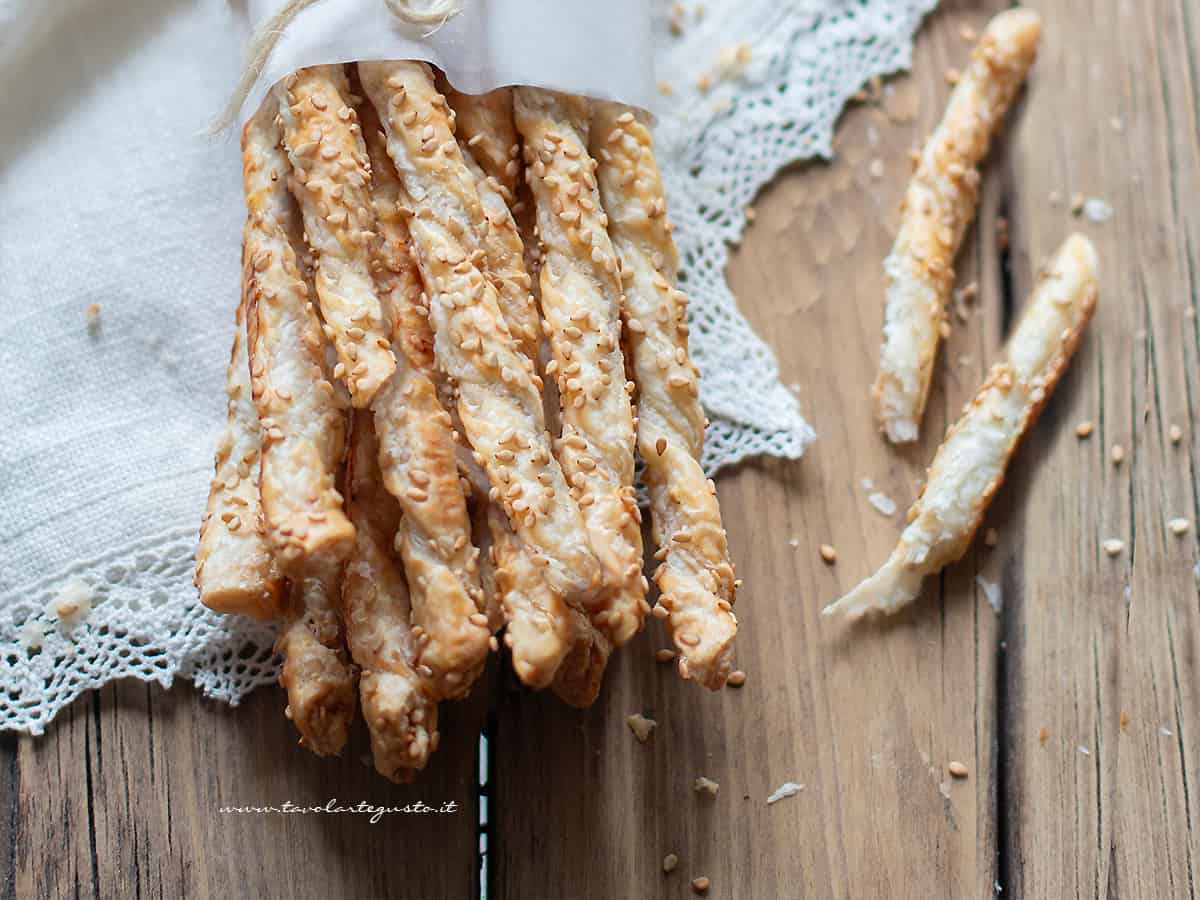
[787, 789]
[883, 503]
[991, 591]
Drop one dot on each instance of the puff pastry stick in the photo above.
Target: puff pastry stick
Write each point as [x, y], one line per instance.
[398, 702]
[696, 577]
[969, 466]
[235, 571]
[303, 422]
[938, 206]
[498, 399]
[485, 124]
[332, 186]
[418, 456]
[581, 305]
[317, 673]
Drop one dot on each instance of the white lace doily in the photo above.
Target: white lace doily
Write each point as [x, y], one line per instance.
[108, 440]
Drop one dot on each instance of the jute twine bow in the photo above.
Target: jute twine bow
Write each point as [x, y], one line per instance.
[436, 14]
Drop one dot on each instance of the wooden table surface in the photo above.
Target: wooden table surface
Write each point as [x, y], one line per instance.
[1076, 710]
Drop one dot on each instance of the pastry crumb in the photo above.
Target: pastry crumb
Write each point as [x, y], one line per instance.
[707, 786]
[93, 315]
[953, 76]
[665, 88]
[1113, 546]
[1043, 735]
[787, 789]
[957, 769]
[1097, 210]
[33, 634]
[751, 214]
[641, 727]
[1077, 201]
[1124, 718]
[991, 592]
[670, 862]
[73, 602]
[875, 169]
[883, 503]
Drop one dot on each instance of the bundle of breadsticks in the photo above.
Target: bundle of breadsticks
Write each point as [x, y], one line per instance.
[459, 325]
[939, 205]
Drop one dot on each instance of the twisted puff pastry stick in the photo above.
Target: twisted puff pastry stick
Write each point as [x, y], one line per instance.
[417, 456]
[696, 578]
[969, 466]
[332, 186]
[235, 571]
[498, 399]
[938, 207]
[485, 124]
[399, 703]
[581, 303]
[303, 424]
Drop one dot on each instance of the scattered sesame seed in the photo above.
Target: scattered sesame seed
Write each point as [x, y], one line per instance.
[663, 655]
[1117, 454]
[957, 769]
[1179, 527]
[700, 885]
[1124, 718]
[751, 214]
[883, 503]
[828, 553]
[967, 33]
[1077, 201]
[1055, 198]
[707, 786]
[73, 602]
[1113, 546]
[736, 678]
[1117, 124]
[664, 88]
[953, 76]
[641, 727]
[1084, 429]
[93, 315]
[1043, 735]
[875, 169]
[1175, 433]
[670, 861]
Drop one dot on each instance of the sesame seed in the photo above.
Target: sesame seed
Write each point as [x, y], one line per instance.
[1084, 430]
[1117, 454]
[1175, 433]
[957, 769]
[700, 885]
[875, 169]
[1113, 546]
[736, 678]
[1179, 527]
[670, 862]
[968, 34]
[1077, 202]
[663, 655]
[660, 446]
[953, 76]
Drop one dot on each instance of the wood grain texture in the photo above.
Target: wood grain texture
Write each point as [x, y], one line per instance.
[120, 797]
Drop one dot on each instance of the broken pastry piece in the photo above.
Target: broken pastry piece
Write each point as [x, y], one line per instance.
[969, 466]
[938, 206]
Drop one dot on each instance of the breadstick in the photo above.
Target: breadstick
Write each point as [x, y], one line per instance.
[696, 577]
[303, 424]
[317, 674]
[235, 571]
[938, 206]
[498, 399]
[332, 186]
[485, 124]
[969, 466]
[398, 702]
[417, 456]
[581, 305]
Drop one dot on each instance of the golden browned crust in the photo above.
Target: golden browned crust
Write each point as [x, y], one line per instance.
[398, 701]
[581, 305]
[485, 125]
[235, 571]
[577, 681]
[938, 206]
[969, 466]
[498, 399]
[317, 673]
[303, 423]
[417, 456]
[332, 185]
[696, 577]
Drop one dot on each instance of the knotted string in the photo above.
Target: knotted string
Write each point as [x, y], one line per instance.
[437, 14]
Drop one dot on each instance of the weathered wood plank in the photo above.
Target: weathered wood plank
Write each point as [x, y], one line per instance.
[122, 798]
[1102, 650]
[866, 719]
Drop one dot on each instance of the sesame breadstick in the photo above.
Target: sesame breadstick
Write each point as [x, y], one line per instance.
[317, 673]
[418, 455]
[485, 124]
[969, 466]
[938, 206]
[235, 571]
[696, 577]
[303, 423]
[398, 702]
[498, 399]
[581, 304]
[332, 185]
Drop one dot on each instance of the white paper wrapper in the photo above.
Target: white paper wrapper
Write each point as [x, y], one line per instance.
[602, 50]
